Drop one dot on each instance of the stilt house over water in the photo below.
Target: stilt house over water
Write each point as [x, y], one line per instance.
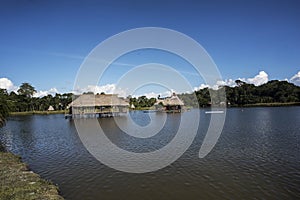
[169, 104]
[100, 105]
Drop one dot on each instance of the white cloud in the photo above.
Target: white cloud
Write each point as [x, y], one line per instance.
[107, 89]
[219, 83]
[285, 80]
[7, 84]
[112, 89]
[148, 95]
[155, 95]
[296, 79]
[202, 86]
[42, 93]
[227, 82]
[259, 79]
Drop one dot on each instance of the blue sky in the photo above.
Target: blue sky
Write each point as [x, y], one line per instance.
[45, 42]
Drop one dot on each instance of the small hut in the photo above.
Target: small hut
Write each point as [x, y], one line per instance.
[101, 105]
[169, 104]
[132, 106]
[50, 108]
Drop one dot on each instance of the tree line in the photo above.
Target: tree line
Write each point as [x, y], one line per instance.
[247, 94]
[24, 100]
[141, 102]
[243, 94]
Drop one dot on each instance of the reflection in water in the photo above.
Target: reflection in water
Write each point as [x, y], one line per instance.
[135, 144]
[257, 156]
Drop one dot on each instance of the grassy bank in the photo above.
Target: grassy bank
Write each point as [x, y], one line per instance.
[38, 112]
[272, 104]
[17, 182]
[143, 108]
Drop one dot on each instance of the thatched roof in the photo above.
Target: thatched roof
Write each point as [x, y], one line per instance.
[91, 100]
[50, 108]
[170, 101]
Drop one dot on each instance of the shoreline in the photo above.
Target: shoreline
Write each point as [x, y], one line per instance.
[37, 112]
[19, 182]
[275, 104]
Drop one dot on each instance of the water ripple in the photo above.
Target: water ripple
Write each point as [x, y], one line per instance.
[256, 157]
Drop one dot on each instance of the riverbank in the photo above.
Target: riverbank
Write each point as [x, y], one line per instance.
[18, 182]
[272, 104]
[37, 112]
[143, 108]
[275, 104]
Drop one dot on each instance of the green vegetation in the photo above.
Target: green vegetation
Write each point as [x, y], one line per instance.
[142, 102]
[273, 93]
[4, 107]
[144, 108]
[25, 102]
[272, 104]
[18, 183]
[26, 90]
[38, 112]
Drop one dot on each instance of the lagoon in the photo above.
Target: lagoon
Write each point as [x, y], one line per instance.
[257, 156]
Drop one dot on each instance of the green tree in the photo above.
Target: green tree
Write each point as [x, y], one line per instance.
[4, 108]
[25, 101]
[27, 90]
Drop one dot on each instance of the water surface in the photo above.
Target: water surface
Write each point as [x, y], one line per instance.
[257, 156]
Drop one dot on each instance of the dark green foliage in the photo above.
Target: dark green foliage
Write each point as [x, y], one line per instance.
[24, 101]
[26, 90]
[243, 94]
[21, 103]
[191, 99]
[248, 94]
[141, 102]
[272, 92]
[4, 106]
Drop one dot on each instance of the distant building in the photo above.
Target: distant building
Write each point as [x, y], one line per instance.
[50, 108]
[169, 104]
[100, 105]
[132, 106]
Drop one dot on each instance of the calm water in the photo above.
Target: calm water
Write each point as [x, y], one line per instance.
[257, 156]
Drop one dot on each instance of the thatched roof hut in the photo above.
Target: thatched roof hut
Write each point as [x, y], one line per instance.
[91, 100]
[170, 101]
[50, 108]
[173, 103]
[109, 104]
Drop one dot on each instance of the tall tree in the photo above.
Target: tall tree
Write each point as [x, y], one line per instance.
[4, 109]
[27, 90]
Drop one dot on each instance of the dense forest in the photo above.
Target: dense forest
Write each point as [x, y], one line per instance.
[141, 102]
[23, 101]
[245, 94]
[241, 95]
